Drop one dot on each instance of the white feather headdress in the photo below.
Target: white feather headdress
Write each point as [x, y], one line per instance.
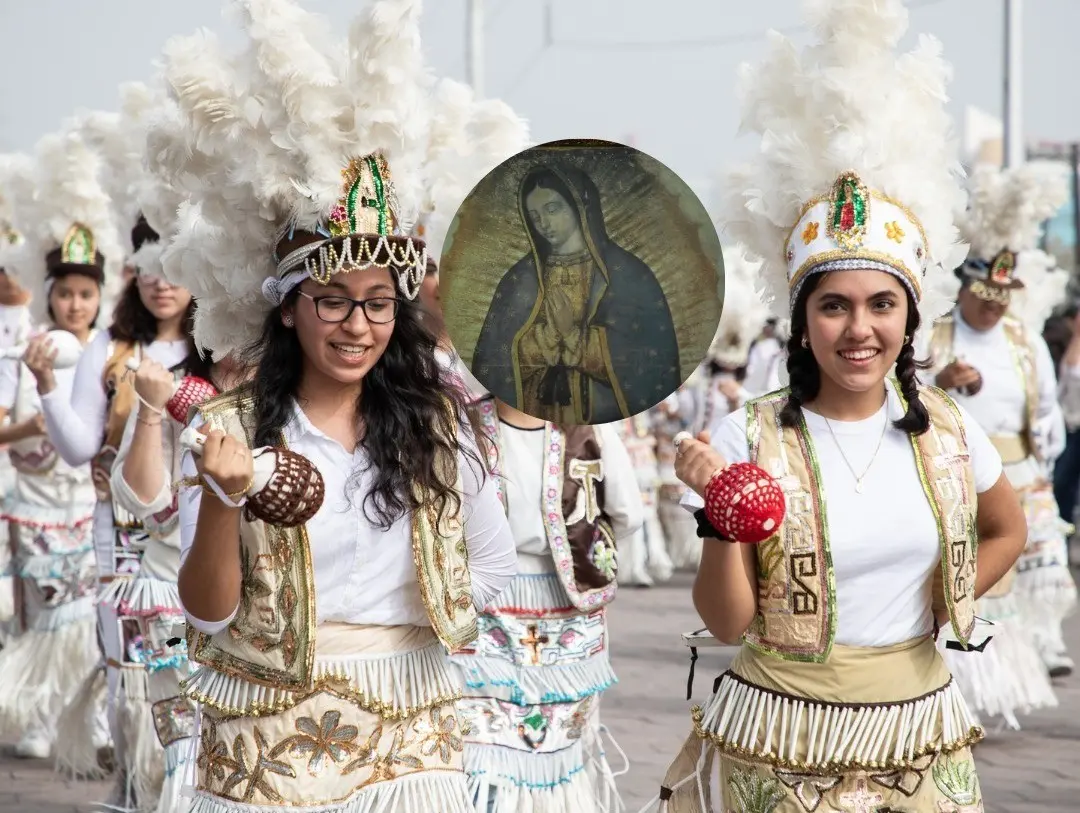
[744, 313]
[468, 138]
[312, 153]
[16, 189]
[849, 104]
[1003, 223]
[69, 218]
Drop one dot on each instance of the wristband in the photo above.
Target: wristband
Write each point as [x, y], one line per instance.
[705, 529]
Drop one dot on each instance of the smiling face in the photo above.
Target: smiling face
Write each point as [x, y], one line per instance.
[343, 352]
[855, 322]
[74, 301]
[554, 219]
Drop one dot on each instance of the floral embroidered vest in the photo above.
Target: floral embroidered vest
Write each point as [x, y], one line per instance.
[941, 349]
[578, 530]
[271, 642]
[796, 618]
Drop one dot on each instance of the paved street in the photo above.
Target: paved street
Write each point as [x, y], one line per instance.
[1021, 772]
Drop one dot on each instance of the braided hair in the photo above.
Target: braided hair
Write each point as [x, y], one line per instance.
[805, 375]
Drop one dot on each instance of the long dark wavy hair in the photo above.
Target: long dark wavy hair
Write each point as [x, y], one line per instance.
[133, 322]
[408, 409]
[805, 376]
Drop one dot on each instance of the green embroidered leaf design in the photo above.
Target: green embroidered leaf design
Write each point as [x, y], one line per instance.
[770, 555]
[754, 793]
[957, 780]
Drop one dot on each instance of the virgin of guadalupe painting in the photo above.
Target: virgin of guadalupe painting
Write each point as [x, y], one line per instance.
[579, 330]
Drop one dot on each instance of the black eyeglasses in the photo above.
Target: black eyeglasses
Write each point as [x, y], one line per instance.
[378, 310]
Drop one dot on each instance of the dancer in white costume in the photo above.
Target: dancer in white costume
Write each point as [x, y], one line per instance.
[1000, 369]
[50, 508]
[838, 698]
[643, 556]
[536, 674]
[341, 697]
[152, 320]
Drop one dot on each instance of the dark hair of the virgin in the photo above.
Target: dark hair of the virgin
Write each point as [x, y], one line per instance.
[804, 375]
[403, 411]
[133, 322]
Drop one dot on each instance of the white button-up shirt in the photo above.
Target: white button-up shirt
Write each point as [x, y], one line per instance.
[364, 574]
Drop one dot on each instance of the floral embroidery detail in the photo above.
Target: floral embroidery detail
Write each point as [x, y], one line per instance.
[959, 782]
[790, 255]
[753, 792]
[602, 556]
[534, 728]
[442, 737]
[366, 754]
[319, 741]
[810, 233]
[575, 724]
[214, 759]
[384, 767]
[893, 231]
[255, 776]
[919, 252]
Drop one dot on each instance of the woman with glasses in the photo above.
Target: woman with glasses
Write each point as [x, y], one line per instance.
[136, 568]
[321, 635]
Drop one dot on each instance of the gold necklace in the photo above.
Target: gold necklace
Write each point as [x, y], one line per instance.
[859, 478]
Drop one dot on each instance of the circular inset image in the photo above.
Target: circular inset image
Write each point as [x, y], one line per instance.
[582, 282]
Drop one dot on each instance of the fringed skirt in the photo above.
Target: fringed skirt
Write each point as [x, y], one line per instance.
[55, 648]
[534, 679]
[377, 732]
[872, 729]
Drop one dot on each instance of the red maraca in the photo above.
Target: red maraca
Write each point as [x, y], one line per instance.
[190, 391]
[744, 503]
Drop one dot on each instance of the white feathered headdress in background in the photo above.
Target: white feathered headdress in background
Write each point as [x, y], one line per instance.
[69, 220]
[858, 167]
[468, 138]
[744, 313]
[1003, 223]
[319, 148]
[16, 189]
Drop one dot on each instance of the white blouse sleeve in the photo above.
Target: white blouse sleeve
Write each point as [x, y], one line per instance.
[730, 441]
[622, 497]
[9, 383]
[985, 460]
[125, 496]
[77, 427]
[189, 501]
[492, 553]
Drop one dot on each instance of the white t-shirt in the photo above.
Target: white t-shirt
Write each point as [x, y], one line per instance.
[884, 542]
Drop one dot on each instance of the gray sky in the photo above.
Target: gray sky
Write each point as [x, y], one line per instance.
[606, 75]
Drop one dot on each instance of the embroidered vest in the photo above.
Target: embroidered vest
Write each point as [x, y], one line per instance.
[271, 642]
[796, 618]
[120, 394]
[941, 345]
[578, 530]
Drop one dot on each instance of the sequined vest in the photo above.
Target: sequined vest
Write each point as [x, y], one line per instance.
[796, 618]
[271, 642]
[578, 530]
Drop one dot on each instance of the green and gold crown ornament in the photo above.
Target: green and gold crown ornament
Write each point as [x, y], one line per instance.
[363, 229]
[78, 246]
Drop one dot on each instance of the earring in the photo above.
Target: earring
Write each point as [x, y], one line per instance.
[907, 339]
[805, 343]
[287, 320]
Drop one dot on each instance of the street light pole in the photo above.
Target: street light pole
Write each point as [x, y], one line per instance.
[474, 45]
[1013, 152]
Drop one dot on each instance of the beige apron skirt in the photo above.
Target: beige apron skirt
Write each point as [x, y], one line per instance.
[377, 732]
[870, 730]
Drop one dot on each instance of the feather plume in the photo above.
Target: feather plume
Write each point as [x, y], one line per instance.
[849, 102]
[744, 313]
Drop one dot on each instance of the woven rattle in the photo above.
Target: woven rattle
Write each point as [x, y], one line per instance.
[286, 489]
[189, 391]
[64, 344]
[744, 503]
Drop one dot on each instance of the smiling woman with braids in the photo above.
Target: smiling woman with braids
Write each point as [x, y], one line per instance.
[897, 513]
